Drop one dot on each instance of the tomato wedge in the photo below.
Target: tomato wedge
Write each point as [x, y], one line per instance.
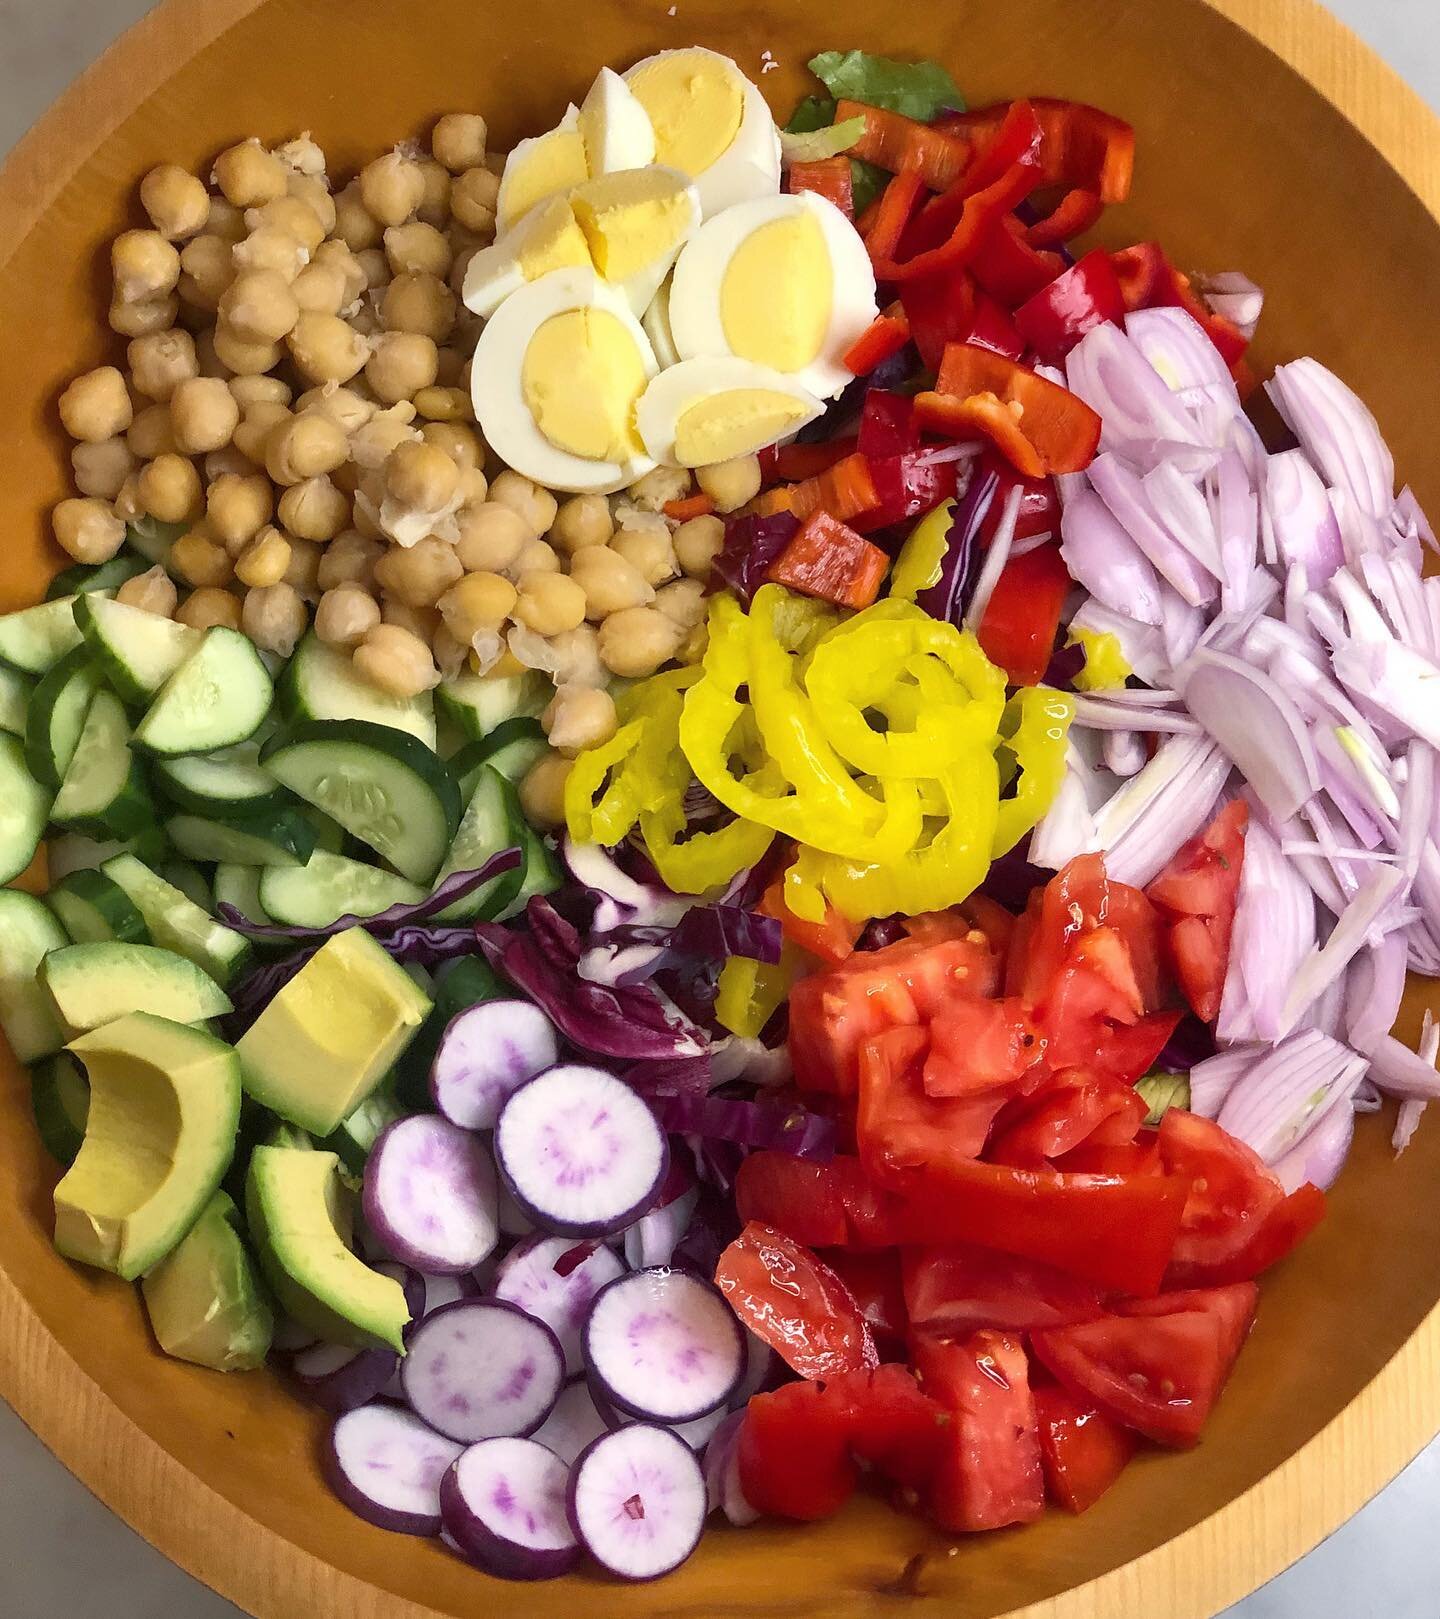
[1082, 1450]
[1070, 1109]
[832, 938]
[1197, 892]
[979, 1047]
[954, 1290]
[1233, 1194]
[873, 1280]
[898, 1125]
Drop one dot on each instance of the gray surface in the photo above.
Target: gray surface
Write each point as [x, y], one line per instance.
[62, 1553]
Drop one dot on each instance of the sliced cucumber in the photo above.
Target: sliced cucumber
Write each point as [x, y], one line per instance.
[511, 748]
[329, 836]
[83, 578]
[76, 851]
[476, 704]
[459, 983]
[354, 1136]
[191, 881]
[93, 984]
[215, 699]
[320, 683]
[239, 886]
[542, 872]
[282, 837]
[60, 1100]
[58, 707]
[24, 806]
[28, 933]
[94, 907]
[104, 789]
[178, 923]
[329, 887]
[36, 638]
[229, 783]
[152, 539]
[15, 692]
[138, 651]
[492, 821]
[384, 787]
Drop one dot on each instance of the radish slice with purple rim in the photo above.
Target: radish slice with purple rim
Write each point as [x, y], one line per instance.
[430, 1195]
[580, 1151]
[527, 1278]
[482, 1369]
[663, 1345]
[761, 1363]
[573, 1423]
[511, 1218]
[339, 1378]
[443, 1290]
[485, 1053]
[505, 1508]
[696, 1434]
[386, 1465]
[637, 1501]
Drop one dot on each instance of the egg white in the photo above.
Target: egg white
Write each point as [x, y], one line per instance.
[617, 129]
[641, 285]
[687, 383]
[507, 212]
[656, 321]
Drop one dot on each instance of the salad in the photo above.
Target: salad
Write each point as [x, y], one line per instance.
[714, 822]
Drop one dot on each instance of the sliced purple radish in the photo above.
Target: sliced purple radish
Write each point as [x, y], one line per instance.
[412, 1284]
[512, 1219]
[653, 1238]
[505, 1509]
[386, 1464]
[430, 1195]
[696, 1434]
[482, 1369]
[581, 1152]
[664, 1346]
[721, 1466]
[637, 1501]
[443, 1290]
[486, 1052]
[761, 1364]
[339, 1378]
[573, 1423]
[527, 1278]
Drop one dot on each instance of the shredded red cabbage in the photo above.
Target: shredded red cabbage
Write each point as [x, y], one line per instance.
[712, 932]
[949, 596]
[752, 545]
[777, 1126]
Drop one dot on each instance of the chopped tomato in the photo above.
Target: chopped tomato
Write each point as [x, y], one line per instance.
[1233, 1194]
[897, 1124]
[955, 1289]
[1082, 1450]
[873, 1278]
[794, 1303]
[801, 1198]
[1129, 1053]
[980, 1046]
[1074, 899]
[1287, 1224]
[1197, 892]
[832, 938]
[989, 1470]
[1138, 1157]
[830, 561]
[1022, 618]
[992, 919]
[1068, 1110]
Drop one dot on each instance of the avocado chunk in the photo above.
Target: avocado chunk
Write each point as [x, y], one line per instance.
[164, 1108]
[93, 984]
[299, 1214]
[331, 1034]
[204, 1298]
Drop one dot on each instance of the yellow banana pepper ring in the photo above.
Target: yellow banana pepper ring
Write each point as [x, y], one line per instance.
[602, 798]
[1042, 722]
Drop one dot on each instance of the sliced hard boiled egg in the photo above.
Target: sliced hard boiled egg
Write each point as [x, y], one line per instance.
[615, 128]
[540, 167]
[557, 374]
[783, 281]
[656, 321]
[702, 411]
[547, 238]
[635, 223]
[711, 123]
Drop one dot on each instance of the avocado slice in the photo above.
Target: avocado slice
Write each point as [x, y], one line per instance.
[299, 1211]
[164, 1107]
[328, 1038]
[204, 1298]
[93, 984]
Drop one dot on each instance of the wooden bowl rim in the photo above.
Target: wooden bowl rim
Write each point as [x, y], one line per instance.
[1192, 1576]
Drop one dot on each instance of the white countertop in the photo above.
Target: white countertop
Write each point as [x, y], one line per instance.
[63, 1554]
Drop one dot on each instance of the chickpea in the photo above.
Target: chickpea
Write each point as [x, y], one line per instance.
[473, 196]
[651, 551]
[249, 175]
[305, 158]
[658, 486]
[391, 188]
[320, 288]
[144, 265]
[225, 462]
[421, 478]
[304, 567]
[355, 225]
[96, 406]
[203, 414]
[458, 140]
[422, 622]
[575, 657]
[237, 508]
[698, 542]
[274, 617]
[375, 267]
[267, 247]
[443, 404]
[542, 790]
[151, 433]
[418, 575]
[344, 406]
[127, 503]
[101, 469]
[583, 521]
[312, 190]
[458, 442]
[209, 608]
[87, 529]
[256, 425]
[400, 365]
[143, 315]
[159, 361]
[491, 537]
[325, 349]
[259, 307]
[349, 559]
[474, 487]
[371, 444]
[476, 603]
[731, 484]
[200, 560]
[152, 592]
[611, 584]
[264, 561]
[450, 655]
[396, 661]
[207, 362]
[334, 255]
[434, 206]
[291, 215]
[176, 202]
[245, 359]
[683, 603]
[549, 603]
[314, 509]
[536, 557]
[304, 447]
[226, 221]
[170, 488]
[537, 507]
[258, 390]
[206, 269]
[418, 302]
[579, 717]
[346, 615]
[636, 641]
[417, 247]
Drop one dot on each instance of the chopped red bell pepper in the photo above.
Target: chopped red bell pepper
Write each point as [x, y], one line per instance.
[1081, 145]
[1075, 213]
[993, 329]
[1058, 316]
[979, 213]
[1148, 280]
[885, 336]
[898, 143]
[681, 511]
[981, 414]
[791, 463]
[1023, 616]
[1008, 267]
[898, 203]
[844, 489]
[906, 486]
[1059, 424]
[887, 425]
[939, 310]
[1039, 511]
[1015, 141]
[832, 562]
[828, 177]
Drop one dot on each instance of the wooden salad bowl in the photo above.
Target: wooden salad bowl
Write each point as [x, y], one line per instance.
[1269, 141]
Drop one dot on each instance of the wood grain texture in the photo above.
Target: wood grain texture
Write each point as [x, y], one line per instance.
[1269, 139]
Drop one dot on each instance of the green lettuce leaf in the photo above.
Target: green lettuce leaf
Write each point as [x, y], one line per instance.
[867, 181]
[814, 112]
[1161, 1092]
[916, 89]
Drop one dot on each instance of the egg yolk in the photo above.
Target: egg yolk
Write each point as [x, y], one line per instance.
[581, 376]
[695, 104]
[552, 240]
[631, 219]
[777, 292]
[736, 422]
[548, 164]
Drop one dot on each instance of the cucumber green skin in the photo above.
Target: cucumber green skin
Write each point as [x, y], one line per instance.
[15, 692]
[128, 810]
[459, 984]
[284, 838]
[170, 777]
[56, 715]
[82, 578]
[55, 1086]
[93, 908]
[24, 808]
[177, 923]
[490, 901]
[420, 850]
[131, 689]
[129, 814]
[28, 932]
[353, 1138]
[318, 683]
[244, 693]
[487, 750]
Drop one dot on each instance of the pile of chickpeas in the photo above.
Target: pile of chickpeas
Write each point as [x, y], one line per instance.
[296, 396]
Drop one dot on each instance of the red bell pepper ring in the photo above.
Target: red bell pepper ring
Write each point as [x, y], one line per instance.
[1148, 280]
[993, 329]
[1087, 295]
[828, 177]
[1015, 140]
[1039, 511]
[1081, 145]
[845, 490]
[831, 562]
[979, 212]
[1008, 268]
[984, 415]
[899, 144]
[897, 203]
[1022, 618]
[887, 425]
[940, 310]
[885, 336]
[1063, 429]
[1074, 214]
[792, 463]
[906, 486]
